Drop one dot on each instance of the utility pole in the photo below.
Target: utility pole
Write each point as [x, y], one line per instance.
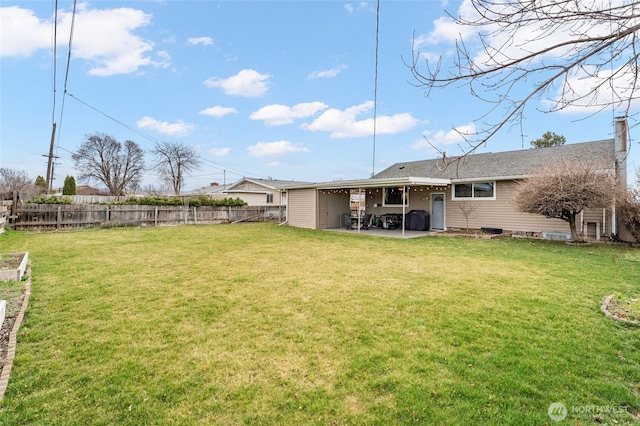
[49, 179]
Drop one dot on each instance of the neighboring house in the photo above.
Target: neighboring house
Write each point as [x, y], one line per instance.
[484, 183]
[214, 190]
[89, 190]
[253, 191]
[261, 192]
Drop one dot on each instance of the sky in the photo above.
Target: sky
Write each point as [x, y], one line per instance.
[280, 89]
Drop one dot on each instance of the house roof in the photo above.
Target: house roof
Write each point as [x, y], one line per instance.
[205, 190]
[273, 184]
[374, 183]
[500, 165]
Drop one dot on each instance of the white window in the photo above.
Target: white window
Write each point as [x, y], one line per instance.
[476, 190]
[394, 197]
[269, 198]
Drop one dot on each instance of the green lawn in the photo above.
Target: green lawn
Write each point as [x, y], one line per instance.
[260, 324]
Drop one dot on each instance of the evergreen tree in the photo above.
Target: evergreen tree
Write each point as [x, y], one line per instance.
[41, 184]
[548, 139]
[69, 187]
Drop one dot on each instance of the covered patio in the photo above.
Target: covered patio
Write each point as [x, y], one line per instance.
[390, 206]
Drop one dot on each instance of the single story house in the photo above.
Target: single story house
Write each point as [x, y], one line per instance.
[261, 192]
[253, 191]
[485, 181]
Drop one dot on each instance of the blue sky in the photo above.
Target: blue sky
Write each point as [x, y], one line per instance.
[281, 89]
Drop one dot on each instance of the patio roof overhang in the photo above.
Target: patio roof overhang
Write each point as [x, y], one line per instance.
[378, 183]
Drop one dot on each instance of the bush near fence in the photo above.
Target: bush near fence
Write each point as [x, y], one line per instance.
[34, 217]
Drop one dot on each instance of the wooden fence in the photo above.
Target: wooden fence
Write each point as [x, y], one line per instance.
[69, 216]
[4, 214]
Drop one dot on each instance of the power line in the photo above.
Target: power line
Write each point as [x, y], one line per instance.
[375, 91]
[152, 139]
[66, 73]
[55, 54]
[50, 163]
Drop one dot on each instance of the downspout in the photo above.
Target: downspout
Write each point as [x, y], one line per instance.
[359, 207]
[404, 207]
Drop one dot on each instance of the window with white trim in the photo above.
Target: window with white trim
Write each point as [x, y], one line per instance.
[476, 190]
[269, 198]
[394, 196]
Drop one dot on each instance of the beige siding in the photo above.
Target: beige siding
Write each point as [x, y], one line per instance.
[256, 195]
[332, 205]
[502, 213]
[303, 208]
[250, 199]
[323, 205]
[419, 199]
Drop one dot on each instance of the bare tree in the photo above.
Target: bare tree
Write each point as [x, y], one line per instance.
[103, 159]
[564, 53]
[564, 188]
[12, 180]
[468, 211]
[174, 161]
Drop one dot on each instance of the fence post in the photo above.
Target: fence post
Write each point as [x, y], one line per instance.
[155, 216]
[59, 218]
[195, 215]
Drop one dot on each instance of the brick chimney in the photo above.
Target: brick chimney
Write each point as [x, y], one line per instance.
[620, 142]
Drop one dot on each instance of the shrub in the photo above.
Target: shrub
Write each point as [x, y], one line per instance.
[191, 202]
[50, 200]
[629, 212]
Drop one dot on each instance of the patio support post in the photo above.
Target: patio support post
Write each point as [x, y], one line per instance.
[404, 206]
[359, 207]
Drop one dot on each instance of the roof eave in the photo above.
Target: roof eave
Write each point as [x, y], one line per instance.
[376, 183]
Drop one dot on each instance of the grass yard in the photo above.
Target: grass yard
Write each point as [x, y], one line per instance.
[260, 324]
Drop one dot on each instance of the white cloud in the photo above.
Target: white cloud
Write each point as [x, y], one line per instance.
[104, 37]
[580, 94]
[274, 164]
[533, 35]
[445, 29]
[219, 152]
[448, 137]
[205, 41]
[353, 7]
[22, 33]
[177, 129]
[218, 111]
[344, 124]
[247, 83]
[277, 115]
[264, 149]
[327, 73]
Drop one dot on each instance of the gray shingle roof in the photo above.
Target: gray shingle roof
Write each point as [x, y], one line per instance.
[276, 183]
[500, 164]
